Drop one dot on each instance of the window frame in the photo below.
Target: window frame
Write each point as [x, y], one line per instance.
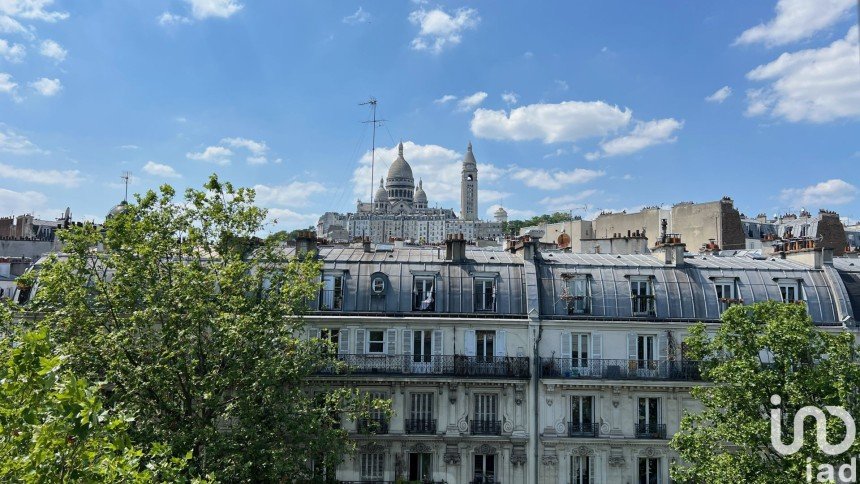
[795, 284]
[573, 284]
[480, 298]
[370, 341]
[636, 299]
[372, 466]
[720, 285]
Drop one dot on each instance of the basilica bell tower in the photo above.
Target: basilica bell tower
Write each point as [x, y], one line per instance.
[469, 187]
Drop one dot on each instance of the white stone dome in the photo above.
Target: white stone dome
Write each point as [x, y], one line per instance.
[400, 173]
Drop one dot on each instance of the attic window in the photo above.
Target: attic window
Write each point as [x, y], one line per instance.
[378, 285]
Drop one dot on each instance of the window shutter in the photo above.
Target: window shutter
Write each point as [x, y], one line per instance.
[501, 345]
[359, 341]
[407, 342]
[437, 342]
[597, 346]
[391, 342]
[471, 343]
[566, 345]
[663, 346]
[591, 465]
[313, 333]
[631, 346]
[343, 341]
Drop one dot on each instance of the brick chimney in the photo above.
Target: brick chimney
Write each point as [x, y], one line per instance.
[455, 248]
[306, 243]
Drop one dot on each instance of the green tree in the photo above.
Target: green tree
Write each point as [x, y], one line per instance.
[192, 320]
[762, 350]
[54, 427]
[552, 218]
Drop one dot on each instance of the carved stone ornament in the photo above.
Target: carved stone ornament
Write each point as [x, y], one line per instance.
[616, 460]
[582, 450]
[560, 427]
[508, 425]
[549, 460]
[421, 448]
[452, 458]
[519, 394]
[462, 424]
[518, 458]
[372, 448]
[651, 452]
[486, 449]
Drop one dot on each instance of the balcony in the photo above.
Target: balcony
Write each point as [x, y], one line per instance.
[372, 426]
[650, 431]
[331, 300]
[576, 429]
[486, 427]
[685, 370]
[420, 426]
[516, 367]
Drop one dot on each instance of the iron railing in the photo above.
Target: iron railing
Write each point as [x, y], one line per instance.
[485, 480]
[577, 429]
[486, 427]
[331, 300]
[372, 426]
[650, 431]
[420, 426]
[581, 368]
[436, 365]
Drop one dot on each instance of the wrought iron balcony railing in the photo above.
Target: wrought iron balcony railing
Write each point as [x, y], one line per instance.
[486, 427]
[420, 426]
[582, 368]
[437, 365]
[485, 480]
[650, 431]
[577, 429]
[372, 426]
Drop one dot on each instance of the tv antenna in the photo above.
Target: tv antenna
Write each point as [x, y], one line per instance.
[126, 177]
[376, 122]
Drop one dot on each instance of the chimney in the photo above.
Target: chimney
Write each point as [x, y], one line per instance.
[455, 248]
[365, 244]
[306, 243]
[670, 252]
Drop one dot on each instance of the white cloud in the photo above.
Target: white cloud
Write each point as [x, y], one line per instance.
[439, 29]
[11, 142]
[47, 87]
[555, 179]
[13, 53]
[485, 196]
[510, 97]
[53, 50]
[169, 18]
[21, 202]
[796, 20]
[130, 147]
[66, 178]
[568, 202]
[213, 154]
[528, 54]
[8, 25]
[719, 95]
[291, 219]
[826, 193]
[438, 167]
[294, 194]
[445, 99]
[816, 85]
[643, 135]
[255, 147]
[7, 85]
[31, 10]
[565, 121]
[202, 9]
[359, 17]
[471, 102]
[159, 169]
[561, 85]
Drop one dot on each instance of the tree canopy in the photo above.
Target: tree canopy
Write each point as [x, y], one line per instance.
[191, 320]
[555, 217]
[762, 350]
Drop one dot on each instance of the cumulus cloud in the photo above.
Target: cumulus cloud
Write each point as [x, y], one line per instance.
[213, 154]
[202, 9]
[8, 25]
[643, 135]
[47, 87]
[510, 97]
[797, 20]
[719, 95]
[53, 50]
[826, 193]
[66, 178]
[291, 219]
[445, 99]
[554, 179]
[13, 53]
[565, 121]
[438, 167]
[11, 142]
[161, 170]
[31, 10]
[257, 149]
[359, 17]
[439, 29]
[7, 85]
[167, 19]
[294, 194]
[815, 85]
[470, 102]
[21, 202]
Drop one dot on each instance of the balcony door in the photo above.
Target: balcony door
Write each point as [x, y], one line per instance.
[422, 351]
[421, 414]
[484, 469]
[650, 418]
[420, 467]
[581, 416]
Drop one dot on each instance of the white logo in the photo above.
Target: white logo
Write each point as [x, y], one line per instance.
[820, 424]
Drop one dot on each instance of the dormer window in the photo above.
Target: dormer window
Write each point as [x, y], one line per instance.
[642, 295]
[424, 294]
[331, 294]
[791, 290]
[727, 294]
[576, 294]
[485, 294]
[377, 285]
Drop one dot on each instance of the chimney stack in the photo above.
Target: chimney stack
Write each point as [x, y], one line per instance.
[365, 244]
[306, 243]
[455, 248]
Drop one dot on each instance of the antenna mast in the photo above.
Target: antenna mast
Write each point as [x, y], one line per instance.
[376, 122]
[126, 176]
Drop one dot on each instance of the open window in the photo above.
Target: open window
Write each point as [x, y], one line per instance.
[576, 294]
[485, 294]
[424, 294]
[642, 295]
[331, 294]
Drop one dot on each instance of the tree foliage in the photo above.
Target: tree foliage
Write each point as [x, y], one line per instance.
[192, 320]
[762, 350]
[552, 218]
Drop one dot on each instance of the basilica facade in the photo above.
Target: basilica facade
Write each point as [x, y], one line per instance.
[400, 210]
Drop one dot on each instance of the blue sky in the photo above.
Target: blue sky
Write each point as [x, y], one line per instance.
[569, 105]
